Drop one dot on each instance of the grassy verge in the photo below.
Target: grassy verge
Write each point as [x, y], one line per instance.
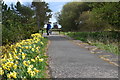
[104, 40]
[25, 59]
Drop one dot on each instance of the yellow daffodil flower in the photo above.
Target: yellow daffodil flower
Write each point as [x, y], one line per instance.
[42, 43]
[12, 75]
[28, 61]
[1, 71]
[16, 62]
[36, 70]
[20, 50]
[26, 47]
[33, 60]
[15, 66]
[23, 55]
[15, 50]
[41, 60]
[33, 49]
[32, 73]
[30, 66]
[2, 60]
[25, 63]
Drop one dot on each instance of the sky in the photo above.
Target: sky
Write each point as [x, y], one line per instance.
[54, 5]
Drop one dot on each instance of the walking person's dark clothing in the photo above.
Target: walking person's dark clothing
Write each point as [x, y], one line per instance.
[48, 28]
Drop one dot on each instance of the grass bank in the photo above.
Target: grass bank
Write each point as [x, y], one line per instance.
[105, 40]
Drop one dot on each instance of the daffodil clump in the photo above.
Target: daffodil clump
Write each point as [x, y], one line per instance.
[25, 59]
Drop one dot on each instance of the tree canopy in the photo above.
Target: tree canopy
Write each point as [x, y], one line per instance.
[42, 13]
[20, 21]
[90, 16]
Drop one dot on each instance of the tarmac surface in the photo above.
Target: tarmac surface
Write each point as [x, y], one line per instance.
[68, 60]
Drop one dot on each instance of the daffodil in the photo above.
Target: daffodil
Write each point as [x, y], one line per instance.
[15, 50]
[18, 45]
[36, 70]
[10, 56]
[2, 60]
[5, 67]
[37, 48]
[15, 66]
[29, 70]
[33, 49]
[33, 60]
[16, 62]
[1, 71]
[5, 56]
[12, 75]
[26, 47]
[23, 55]
[9, 64]
[19, 53]
[28, 61]
[15, 56]
[10, 59]
[20, 50]
[30, 66]
[25, 63]
[36, 58]
[41, 60]
[42, 43]
[8, 75]
[34, 46]
[32, 73]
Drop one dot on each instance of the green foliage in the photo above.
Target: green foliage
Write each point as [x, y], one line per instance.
[24, 11]
[70, 14]
[42, 13]
[92, 16]
[17, 23]
[107, 12]
[20, 21]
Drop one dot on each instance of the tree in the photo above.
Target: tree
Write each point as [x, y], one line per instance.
[107, 12]
[92, 16]
[17, 22]
[70, 15]
[42, 13]
[24, 12]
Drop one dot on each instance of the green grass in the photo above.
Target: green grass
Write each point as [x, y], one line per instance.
[104, 40]
[108, 47]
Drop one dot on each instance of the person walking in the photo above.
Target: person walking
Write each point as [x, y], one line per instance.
[48, 28]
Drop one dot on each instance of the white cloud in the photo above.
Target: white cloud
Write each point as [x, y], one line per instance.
[37, 0]
[17, 0]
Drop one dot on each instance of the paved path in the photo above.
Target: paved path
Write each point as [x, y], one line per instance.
[68, 60]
